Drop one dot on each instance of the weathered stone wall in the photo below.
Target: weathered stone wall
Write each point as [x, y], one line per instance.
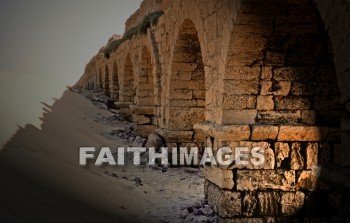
[272, 74]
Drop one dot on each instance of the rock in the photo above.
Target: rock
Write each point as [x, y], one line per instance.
[264, 132]
[307, 180]
[268, 203]
[311, 155]
[138, 181]
[207, 211]
[138, 141]
[226, 204]
[198, 212]
[292, 202]
[154, 140]
[281, 152]
[249, 203]
[222, 178]
[296, 159]
[265, 179]
[117, 131]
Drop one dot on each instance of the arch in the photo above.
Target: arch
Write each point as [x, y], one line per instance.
[128, 93]
[280, 75]
[187, 83]
[114, 86]
[279, 69]
[106, 82]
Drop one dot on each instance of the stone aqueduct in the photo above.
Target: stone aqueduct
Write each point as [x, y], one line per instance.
[272, 73]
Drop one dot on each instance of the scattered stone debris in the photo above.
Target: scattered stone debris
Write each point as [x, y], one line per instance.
[139, 142]
[154, 140]
[138, 181]
[125, 131]
[199, 212]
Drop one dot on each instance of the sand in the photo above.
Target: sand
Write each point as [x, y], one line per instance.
[41, 180]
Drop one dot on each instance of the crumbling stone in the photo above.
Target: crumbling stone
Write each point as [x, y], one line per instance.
[265, 179]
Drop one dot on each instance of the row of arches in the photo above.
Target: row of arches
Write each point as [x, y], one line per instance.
[237, 68]
[137, 84]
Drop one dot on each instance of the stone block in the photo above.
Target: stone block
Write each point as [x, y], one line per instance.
[250, 202]
[226, 204]
[265, 179]
[265, 103]
[183, 103]
[293, 73]
[184, 66]
[282, 154]
[307, 180]
[267, 152]
[311, 155]
[264, 132]
[308, 117]
[266, 73]
[221, 178]
[145, 130]
[278, 117]
[240, 87]
[302, 133]
[199, 94]
[181, 94]
[239, 101]
[183, 118]
[175, 136]
[292, 203]
[296, 159]
[140, 119]
[224, 132]
[243, 73]
[236, 117]
[278, 88]
[268, 203]
[292, 103]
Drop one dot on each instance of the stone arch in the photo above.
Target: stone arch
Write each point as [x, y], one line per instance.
[335, 17]
[106, 81]
[187, 83]
[279, 68]
[128, 92]
[114, 86]
[280, 90]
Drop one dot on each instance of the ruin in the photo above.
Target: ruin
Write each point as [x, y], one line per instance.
[233, 73]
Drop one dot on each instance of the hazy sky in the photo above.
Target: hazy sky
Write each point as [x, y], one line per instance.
[44, 46]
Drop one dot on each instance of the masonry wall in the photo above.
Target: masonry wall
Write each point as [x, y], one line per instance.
[272, 74]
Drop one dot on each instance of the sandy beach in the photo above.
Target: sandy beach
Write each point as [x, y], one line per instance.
[41, 180]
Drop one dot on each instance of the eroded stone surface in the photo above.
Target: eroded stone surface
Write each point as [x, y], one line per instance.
[222, 178]
[225, 203]
[265, 179]
[292, 202]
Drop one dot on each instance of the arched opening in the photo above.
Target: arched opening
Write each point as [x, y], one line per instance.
[106, 82]
[128, 81]
[187, 85]
[114, 86]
